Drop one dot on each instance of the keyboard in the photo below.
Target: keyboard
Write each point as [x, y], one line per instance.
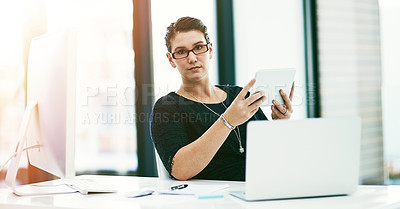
[87, 186]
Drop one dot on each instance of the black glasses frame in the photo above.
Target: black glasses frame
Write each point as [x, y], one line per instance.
[192, 50]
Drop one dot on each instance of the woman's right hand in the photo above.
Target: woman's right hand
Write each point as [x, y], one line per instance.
[242, 109]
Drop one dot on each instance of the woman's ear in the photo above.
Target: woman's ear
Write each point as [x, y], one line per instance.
[210, 50]
[171, 61]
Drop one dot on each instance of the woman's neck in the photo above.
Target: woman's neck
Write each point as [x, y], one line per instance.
[199, 89]
[201, 92]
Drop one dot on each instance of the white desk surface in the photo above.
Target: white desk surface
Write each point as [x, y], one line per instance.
[365, 197]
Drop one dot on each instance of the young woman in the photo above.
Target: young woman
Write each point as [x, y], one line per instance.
[199, 131]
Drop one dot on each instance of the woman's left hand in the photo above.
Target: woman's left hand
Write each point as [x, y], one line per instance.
[280, 111]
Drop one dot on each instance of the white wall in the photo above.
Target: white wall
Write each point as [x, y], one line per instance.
[269, 34]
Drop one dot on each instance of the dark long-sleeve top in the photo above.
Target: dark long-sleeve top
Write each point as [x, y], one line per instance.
[177, 121]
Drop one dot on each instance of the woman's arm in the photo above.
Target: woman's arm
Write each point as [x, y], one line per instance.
[194, 157]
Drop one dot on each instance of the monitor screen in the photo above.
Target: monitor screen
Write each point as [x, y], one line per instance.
[47, 130]
[51, 83]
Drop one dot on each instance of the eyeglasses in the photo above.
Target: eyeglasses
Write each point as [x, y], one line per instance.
[183, 53]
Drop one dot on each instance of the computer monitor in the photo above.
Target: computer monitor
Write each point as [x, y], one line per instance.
[48, 126]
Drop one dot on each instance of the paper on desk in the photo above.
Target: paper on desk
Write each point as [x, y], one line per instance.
[195, 189]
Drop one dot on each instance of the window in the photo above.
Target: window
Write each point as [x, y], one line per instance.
[105, 109]
[12, 77]
[390, 46]
[350, 74]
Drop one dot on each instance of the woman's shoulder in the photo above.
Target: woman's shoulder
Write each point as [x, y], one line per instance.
[167, 100]
[172, 102]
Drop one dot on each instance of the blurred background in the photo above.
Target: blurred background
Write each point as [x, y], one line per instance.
[346, 54]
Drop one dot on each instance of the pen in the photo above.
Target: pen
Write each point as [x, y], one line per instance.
[140, 193]
[181, 186]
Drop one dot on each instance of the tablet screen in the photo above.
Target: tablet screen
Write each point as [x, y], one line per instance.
[270, 81]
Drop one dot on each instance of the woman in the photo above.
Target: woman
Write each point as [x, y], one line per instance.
[199, 131]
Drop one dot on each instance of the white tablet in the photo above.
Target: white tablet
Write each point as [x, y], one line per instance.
[270, 81]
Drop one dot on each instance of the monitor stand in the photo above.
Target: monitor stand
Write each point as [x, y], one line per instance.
[33, 189]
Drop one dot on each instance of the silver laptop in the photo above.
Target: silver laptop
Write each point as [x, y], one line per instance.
[301, 158]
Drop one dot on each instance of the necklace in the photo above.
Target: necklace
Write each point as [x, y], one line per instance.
[236, 130]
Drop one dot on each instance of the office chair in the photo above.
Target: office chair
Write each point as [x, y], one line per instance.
[162, 172]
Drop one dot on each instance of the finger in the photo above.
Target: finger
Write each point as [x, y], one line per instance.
[291, 92]
[242, 94]
[276, 114]
[279, 107]
[254, 97]
[254, 111]
[286, 99]
[257, 103]
[273, 115]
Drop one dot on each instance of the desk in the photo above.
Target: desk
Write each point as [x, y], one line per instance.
[365, 197]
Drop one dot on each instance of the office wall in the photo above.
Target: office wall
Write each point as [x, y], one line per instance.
[350, 73]
[269, 34]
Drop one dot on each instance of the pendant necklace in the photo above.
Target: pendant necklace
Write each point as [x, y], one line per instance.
[235, 130]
